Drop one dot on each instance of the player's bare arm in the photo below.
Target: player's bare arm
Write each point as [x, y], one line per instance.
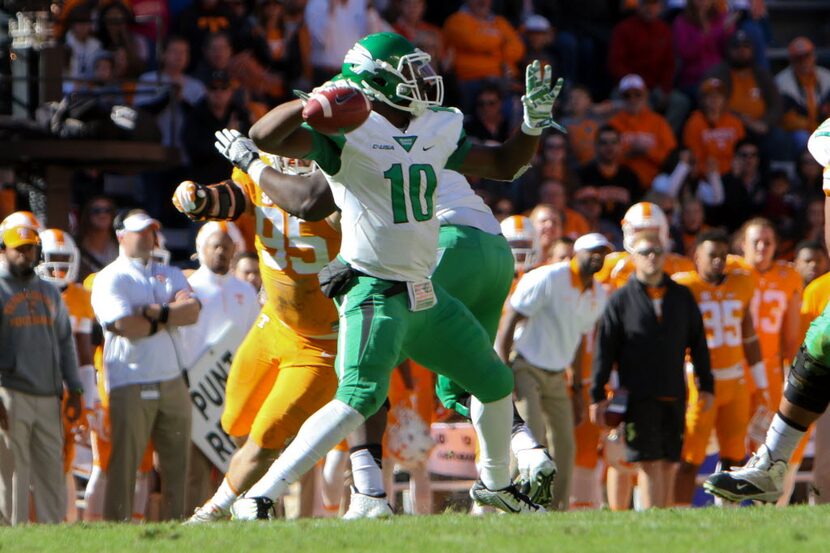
[752, 353]
[509, 160]
[279, 132]
[305, 195]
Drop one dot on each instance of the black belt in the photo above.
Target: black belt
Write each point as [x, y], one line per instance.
[397, 287]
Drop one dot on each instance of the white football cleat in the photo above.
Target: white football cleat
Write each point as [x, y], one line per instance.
[761, 479]
[253, 508]
[536, 472]
[367, 506]
[509, 499]
[207, 513]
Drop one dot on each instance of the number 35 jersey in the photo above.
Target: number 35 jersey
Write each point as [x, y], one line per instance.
[722, 306]
[384, 181]
[291, 252]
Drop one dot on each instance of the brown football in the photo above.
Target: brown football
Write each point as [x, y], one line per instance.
[337, 110]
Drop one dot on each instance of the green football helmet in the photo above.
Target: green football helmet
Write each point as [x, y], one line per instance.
[392, 70]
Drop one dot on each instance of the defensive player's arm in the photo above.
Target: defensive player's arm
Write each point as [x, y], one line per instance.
[752, 352]
[507, 326]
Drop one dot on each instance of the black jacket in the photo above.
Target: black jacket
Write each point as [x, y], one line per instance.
[650, 355]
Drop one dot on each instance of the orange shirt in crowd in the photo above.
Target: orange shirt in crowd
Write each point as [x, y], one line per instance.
[746, 97]
[582, 137]
[483, 47]
[713, 140]
[574, 225]
[651, 128]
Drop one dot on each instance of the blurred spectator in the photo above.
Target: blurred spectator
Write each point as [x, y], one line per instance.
[81, 44]
[552, 192]
[805, 92]
[225, 299]
[582, 120]
[214, 112]
[813, 227]
[487, 124]
[114, 22]
[679, 179]
[547, 222]
[641, 44]
[692, 223]
[504, 208]
[37, 359]
[152, 21]
[712, 131]
[410, 23]
[809, 174]
[744, 188]
[751, 92]
[753, 19]
[485, 46]
[782, 208]
[172, 104]
[538, 38]
[617, 185]
[646, 330]
[96, 238]
[335, 26]
[443, 63]
[201, 19]
[555, 162]
[559, 304]
[217, 51]
[562, 250]
[646, 136]
[811, 260]
[246, 267]
[283, 41]
[141, 305]
[700, 35]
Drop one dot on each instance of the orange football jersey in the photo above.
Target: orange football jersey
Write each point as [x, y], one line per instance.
[816, 297]
[291, 253]
[722, 306]
[79, 305]
[618, 268]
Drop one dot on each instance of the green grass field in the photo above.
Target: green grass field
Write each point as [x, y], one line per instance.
[750, 530]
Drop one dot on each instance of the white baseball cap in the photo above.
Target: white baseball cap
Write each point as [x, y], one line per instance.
[591, 241]
[632, 81]
[139, 221]
[537, 24]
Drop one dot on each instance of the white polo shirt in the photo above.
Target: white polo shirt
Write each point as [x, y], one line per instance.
[558, 314]
[120, 290]
[224, 298]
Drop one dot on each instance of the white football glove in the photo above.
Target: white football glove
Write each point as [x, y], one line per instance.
[819, 147]
[236, 148]
[539, 99]
[189, 198]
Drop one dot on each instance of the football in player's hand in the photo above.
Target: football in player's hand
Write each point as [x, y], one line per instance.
[337, 110]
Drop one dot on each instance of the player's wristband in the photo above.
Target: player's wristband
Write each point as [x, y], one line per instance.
[164, 314]
[532, 131]
[759, 375]
[255, 170]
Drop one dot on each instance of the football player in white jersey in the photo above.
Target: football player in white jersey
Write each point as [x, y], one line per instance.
[383, 176]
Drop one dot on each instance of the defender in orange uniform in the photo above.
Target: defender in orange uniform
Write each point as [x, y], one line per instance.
[284, 369]
[724, 300]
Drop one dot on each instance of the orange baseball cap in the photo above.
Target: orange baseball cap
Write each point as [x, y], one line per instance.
[14, 237]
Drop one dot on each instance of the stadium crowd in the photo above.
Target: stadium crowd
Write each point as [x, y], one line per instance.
[684, 151]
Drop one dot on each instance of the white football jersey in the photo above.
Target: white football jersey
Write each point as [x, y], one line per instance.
[384, 181]
[457, 204]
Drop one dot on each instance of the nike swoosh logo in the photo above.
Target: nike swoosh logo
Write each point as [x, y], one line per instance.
[739, 487]
[342, 98]
[509, 507]
[428, 147]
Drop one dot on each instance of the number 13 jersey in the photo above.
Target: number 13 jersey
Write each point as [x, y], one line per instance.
[291, 252]
[384, 181]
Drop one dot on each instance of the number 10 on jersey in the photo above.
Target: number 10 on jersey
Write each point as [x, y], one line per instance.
[422, 183]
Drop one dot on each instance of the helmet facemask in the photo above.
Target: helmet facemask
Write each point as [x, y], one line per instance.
[59, 267]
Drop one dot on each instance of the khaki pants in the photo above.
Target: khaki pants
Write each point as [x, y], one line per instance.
[31, 455]
[543, 400]
[163, 416]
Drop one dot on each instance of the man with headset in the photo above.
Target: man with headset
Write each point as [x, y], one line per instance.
[37, 359]
[140, 304]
